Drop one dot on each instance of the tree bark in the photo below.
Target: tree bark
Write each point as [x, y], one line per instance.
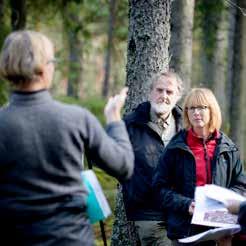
[238, 101]
[147, 54]
[18, 14]
[182, 13]
[148, 42]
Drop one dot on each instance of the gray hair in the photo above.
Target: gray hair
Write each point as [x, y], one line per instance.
[23, 56]
[172, 74]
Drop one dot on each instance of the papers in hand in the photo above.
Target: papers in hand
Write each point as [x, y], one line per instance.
[221, 194]
[210, 210]
[210, 207]
[212, 234]
[97, 205]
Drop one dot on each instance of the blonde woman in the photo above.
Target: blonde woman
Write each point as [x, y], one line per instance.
[198, 155]
[42, 198]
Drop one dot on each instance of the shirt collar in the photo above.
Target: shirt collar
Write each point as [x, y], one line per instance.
[158, 120]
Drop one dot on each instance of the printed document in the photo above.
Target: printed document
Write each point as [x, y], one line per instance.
[210, 207]
[212, 234]
[210, 210]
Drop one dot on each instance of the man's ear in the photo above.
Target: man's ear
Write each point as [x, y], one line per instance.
[43, 74]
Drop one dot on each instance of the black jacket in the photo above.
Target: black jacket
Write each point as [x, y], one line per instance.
[175, 179]
[148, 146]
[242, 217]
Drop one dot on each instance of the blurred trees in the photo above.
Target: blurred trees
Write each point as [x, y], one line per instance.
[91, 45]
[73, 28]
[213, 19]
[238, 85]
[18, 14]
[111, 24]
[5, 28]
[181, 39]
[99, 49]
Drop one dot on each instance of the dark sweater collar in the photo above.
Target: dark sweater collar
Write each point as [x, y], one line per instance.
[30, 98]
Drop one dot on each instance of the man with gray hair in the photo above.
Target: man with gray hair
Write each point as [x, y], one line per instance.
[150, 127]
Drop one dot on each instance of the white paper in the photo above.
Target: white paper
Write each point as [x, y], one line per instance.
[212, 234]
[222, 194]
[98, 192]
[209, 212]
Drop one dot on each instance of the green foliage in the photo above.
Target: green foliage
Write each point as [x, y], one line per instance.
[5, 30]
[94, 104]
[3, 92]
[121, 25]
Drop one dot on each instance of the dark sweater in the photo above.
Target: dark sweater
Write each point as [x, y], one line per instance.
[41, 148]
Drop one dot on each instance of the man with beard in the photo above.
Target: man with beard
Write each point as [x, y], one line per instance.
[150, 127]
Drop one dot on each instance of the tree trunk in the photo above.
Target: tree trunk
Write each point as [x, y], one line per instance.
[73, 29]
[181, 38]
[238, 101]
[112, 7]
[18, 14]
[148, 41]
[210, 13]
[147, 54]
[1, 11]
[216, 23]
[219, 67]
[231, 39]
[74, 88]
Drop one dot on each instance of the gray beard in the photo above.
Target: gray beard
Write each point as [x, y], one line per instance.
[162, 108]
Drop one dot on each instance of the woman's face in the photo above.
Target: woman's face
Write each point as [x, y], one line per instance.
[199, 116]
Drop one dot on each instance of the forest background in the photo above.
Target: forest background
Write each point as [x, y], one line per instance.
[102, 45]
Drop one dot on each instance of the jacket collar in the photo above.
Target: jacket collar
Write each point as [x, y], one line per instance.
[141, 115]
[224, 143]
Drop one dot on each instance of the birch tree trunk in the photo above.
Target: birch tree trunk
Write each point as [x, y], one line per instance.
[182, 13]
[238, 100]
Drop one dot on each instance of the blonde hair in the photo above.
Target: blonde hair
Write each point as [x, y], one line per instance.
[203, 97]
[23, 55]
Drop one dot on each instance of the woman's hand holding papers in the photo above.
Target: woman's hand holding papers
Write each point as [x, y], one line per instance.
[191, 208]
